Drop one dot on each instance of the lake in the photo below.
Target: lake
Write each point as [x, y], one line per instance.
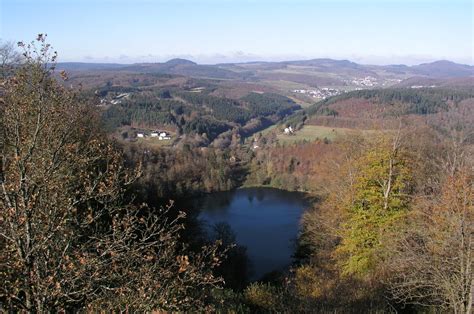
[265, 220]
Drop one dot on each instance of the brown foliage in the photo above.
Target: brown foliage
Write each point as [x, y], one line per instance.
[432, 258]
[68, 237]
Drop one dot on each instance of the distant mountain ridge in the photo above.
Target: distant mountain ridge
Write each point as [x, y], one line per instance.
[179, 61]
[262, 70]
[444, 68]
[85, 66]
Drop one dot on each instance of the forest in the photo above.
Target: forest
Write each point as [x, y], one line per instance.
[193, 112]
[420, 101]
[88, 225]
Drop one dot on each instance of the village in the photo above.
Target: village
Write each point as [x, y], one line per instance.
[160, 135]
[368, 81]
[321, 93]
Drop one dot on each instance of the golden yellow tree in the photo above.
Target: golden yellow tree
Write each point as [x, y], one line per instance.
[379, 196]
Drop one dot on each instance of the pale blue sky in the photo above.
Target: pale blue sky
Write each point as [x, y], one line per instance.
[211, 31]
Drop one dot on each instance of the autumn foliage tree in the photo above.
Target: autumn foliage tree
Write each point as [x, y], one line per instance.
[69, 238]
[432, 257]
[378, 196]
[395, 223]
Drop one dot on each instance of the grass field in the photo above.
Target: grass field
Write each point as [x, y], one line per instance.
[152, 143]
[316, 132]
[155, 142]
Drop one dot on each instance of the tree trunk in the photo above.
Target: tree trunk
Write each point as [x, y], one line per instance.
[468, 306]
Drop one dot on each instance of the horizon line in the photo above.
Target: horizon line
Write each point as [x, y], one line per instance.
[265, 61]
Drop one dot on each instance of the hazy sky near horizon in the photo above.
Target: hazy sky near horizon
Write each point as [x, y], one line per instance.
[216, 31]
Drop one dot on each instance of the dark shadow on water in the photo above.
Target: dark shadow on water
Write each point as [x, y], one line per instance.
[265, 221]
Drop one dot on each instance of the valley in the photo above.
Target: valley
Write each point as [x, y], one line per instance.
[236, 156]
[212, 105]
[246, 187]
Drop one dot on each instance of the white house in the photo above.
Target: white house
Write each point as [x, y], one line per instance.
[154, 134]
[141, 135]
[123, 95]
[288, 130]
[164, 136]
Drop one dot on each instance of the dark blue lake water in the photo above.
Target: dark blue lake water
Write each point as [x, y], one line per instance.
[265, 220]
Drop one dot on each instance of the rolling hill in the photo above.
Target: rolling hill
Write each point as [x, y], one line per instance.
[300, 71]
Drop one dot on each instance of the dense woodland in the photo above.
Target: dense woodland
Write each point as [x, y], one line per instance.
[383, 108]
[167, 173]
[193, 112]
[417, 100]
[87, 223]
